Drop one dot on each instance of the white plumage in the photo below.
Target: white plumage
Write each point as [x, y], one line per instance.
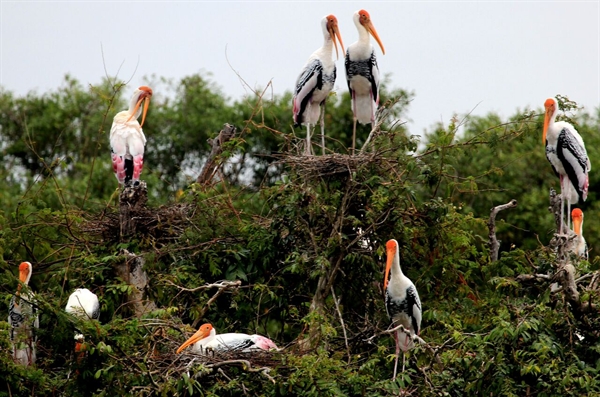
[84, 304]
[206, 339]
[23, 319]
[566, 153]
[127, 140]
[402, 302]
[362, 72]
[316, 81]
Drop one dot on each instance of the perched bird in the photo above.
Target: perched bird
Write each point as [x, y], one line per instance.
[579, 246]
[362, 72]
[566, 153]
[127, 139]
[23, 319]
[316, 82]
[206, 338]
[84, 304]
[401, 302]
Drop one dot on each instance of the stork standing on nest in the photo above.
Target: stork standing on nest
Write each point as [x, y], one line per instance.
[206, 338]
[127, 140]
[316, 82]
[362, 73]
[401, 302]
[566, 153]
[23, 319]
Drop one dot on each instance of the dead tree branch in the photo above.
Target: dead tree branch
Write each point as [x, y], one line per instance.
[212, 164]
[130, 199]
[494, 243]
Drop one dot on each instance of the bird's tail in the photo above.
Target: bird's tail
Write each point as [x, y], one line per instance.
[364, 109]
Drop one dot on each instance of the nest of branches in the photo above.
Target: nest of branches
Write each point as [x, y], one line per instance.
[162, 361]
[163, 224]
[335, 164]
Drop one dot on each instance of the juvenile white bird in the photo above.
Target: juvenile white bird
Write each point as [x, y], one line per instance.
[127, 140]
[401, 302]
[362, 72]
[206, 338]
[566, 153]
[579, 246]
[316, 82]
[84, 304]
[23, 319]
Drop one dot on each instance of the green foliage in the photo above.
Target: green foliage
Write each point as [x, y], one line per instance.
[304, 236]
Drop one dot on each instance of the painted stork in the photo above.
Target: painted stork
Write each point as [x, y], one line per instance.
[127, 139]
[362, 73]
[401, 302]
[206, 338]
[316, 82]
[23, 319]
[579, 244]
[566, 153]
[84, 304]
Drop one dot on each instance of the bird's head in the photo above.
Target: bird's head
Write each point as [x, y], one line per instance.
[577, 216]
[365, 20]
[332, 28]
[142, 94]
[391, 248]
[204, 331]
[549, 115]
[24, 272]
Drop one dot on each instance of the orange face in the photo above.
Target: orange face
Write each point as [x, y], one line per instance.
[365, 20]
[332, 28]
[577, 216]
[550, 106]
[391, 247]
[202, 333]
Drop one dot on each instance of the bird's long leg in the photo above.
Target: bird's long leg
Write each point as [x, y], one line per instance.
[308, 145]
[403, 362]
[323, 128]
[568, 214]
[397, 353]
[562, 204]
[354, 125]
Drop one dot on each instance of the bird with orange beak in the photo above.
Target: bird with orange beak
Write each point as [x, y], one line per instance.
[207, 339]
[566, 153]
[362, 73]
[127, 140]
[23, 319]
[316, 82]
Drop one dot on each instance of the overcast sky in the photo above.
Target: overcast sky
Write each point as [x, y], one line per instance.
[454, 55]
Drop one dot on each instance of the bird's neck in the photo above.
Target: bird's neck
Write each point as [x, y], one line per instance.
[132, 107]
[363, 35]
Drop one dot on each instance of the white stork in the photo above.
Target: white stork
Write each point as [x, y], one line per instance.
[579, 244]
[206, 338]
[362, 73]
[401, 302]
[127, 139]
[23, 319]
[316, 82]
[566, 153]
[84, 304]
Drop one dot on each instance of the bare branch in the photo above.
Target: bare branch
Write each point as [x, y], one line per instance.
[211, 166]
[494, 243]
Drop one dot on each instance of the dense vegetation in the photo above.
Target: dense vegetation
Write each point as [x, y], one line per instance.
[305, 236]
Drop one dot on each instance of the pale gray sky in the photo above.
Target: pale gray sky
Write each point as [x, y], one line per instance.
[497, 55]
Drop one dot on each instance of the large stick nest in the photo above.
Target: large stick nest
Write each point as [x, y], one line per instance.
[163, 224]
[335, 164]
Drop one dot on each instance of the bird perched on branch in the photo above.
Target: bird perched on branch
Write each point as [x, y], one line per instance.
[127, 140]
[579, 246]
[206, 338]
[23, 319]
[84, 304]
[316, 82]
[566, 153]
[362, 72]
[401, 302]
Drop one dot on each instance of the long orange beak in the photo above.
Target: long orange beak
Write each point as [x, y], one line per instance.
[391, 254]
[200, 334]
[371, 29]
[332, 28]
[550, 108]
[144, 97]
[577, 216]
